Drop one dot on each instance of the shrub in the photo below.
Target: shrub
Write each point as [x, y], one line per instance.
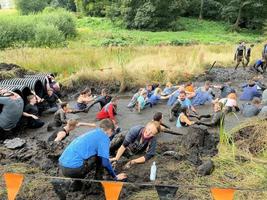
[114, 42]
[47, 35]
[30, 6]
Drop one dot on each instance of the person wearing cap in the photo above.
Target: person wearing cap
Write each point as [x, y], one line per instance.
[138, 140]
[250, 91]
[89, 150]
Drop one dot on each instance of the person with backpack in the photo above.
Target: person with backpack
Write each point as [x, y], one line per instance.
[240, 54]
[248, 54]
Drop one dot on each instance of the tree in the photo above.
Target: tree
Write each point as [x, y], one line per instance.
[95, 8]
[201, 9]
[31, 6]
[67, 4]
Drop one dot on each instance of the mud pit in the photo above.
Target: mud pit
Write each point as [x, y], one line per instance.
[40, 158]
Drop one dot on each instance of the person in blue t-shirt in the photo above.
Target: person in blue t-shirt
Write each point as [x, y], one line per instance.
[156, 97]
[89, 149]
[250, 91]
[202, 95]
[260, 66]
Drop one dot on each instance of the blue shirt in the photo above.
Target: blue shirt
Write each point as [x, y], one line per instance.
[186, 103]
[93, 143]
[154, 99]
[201, 98]
[173, 98]
[249, 93]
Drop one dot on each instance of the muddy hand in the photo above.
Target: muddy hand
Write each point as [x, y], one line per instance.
[128, 165]
[121, 176]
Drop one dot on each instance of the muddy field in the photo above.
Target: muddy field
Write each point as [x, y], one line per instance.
[38, 158]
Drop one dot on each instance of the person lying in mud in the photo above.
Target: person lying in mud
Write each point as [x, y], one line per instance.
[203, 95]
[240, 54]
[260, 66]
[84, 99]
[252, 109]
[139, 139]
[182, 102]
[109, 111]
[183, 118]
[31, 113]
[215, 117]
[88, 152]
[142, 101]
[102, 100]
[158, 117]
[11, 112]
[50, 101]
[250, 91]
[133, 101]
[156, 97]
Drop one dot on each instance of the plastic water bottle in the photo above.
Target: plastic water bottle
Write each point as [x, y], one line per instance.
[153, 172]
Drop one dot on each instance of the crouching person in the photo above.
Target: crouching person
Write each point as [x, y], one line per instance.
[89, 151]
[138, 140]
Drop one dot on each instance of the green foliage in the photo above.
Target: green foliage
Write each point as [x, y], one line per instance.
[95, 8]
[67, 4]
[31, 6]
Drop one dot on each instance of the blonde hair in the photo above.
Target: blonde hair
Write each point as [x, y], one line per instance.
[157, 91]
[168, 84]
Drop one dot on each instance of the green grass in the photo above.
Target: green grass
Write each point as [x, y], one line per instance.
[101, 32]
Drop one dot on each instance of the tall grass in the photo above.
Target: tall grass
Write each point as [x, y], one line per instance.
[140, 64]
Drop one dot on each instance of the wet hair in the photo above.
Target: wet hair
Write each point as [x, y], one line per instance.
[182, 92]
[85, 91]
[156, 124]
[158, 116]
[72, 122]
[184, 109]
[106, 124]
[115, 98]
[157, 90]
[30, 97]
[63, 104]
[256, 100]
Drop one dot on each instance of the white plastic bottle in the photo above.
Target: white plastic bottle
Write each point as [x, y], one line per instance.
[153, 172]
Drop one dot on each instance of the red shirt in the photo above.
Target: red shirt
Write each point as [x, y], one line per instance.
[107, 112]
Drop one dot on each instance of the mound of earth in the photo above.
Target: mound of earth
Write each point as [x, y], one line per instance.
[11, 71]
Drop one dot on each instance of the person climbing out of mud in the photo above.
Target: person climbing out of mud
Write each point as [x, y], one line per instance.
[240, 54]
[260, 66]
[133, 101]
[142, 101]
[158, 117]
[248, 54]
[183, 118]
[138, 140]
[11, 112]
[215, 117]
[181, 102]
[50, 101]
[252, 109]
[102, 100]
[84, 99]
[88, 152]
[108, 112]
[156, 97]
[31, 113]
[203, 95]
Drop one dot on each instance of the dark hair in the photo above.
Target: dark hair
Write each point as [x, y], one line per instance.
[184, 109]
[115, 98]
[158, 116]
[63, 104]
[86, 90]
[182, 92]
[104, 90]
[106, 124]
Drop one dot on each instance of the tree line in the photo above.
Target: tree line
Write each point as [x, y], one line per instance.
[159, 14]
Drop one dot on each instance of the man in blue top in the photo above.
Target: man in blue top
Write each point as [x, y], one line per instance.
[260, 66]
[87, 150]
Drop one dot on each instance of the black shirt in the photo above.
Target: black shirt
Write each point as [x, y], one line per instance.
[51, 100]
[31, 109]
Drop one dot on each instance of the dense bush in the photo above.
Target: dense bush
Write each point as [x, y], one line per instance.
[96, 8]
[31, 6]
[46, 29]
[67, 4]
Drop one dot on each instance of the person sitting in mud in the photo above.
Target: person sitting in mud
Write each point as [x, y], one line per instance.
[225, 89]
[51, 100]
[240, 54]
[250, 91]
[230, 103]
[169, 89]
[202, 95]
[174, 96]
[150, 90]
[183, 118]
[190, 90]
[248, 54]
[142, 101]
[133, 101]
[156, 97]
[89, 150]
[31, 113]
[158, 117]
[52, 84]
[139, 139]
[216, 117]
[11, 112]
[252, 109]
[103, 99]
[260, 66]
[84, 99]
[182, 102]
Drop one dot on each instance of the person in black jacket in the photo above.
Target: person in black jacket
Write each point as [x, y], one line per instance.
[138, 140]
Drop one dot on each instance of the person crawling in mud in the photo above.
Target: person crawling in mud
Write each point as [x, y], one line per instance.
[230, 103]
[102, 100]
[240, 54]
[138, 140]
[260, 66]
[12, 109]
[183, 118]
[50, 101]
[158, 117]
[215, 117]
[88, 152]
[84, 99]
[31, 113]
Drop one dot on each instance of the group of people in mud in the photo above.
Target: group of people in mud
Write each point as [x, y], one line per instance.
[105, 144]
